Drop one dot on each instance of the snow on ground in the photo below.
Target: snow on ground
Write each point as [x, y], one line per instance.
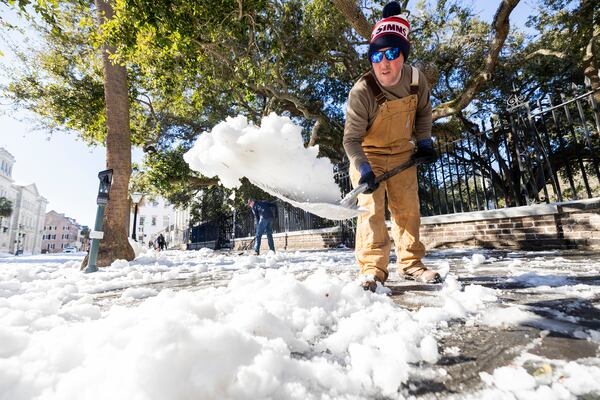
[282, 326]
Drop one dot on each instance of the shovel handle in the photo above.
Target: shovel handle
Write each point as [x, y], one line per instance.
[396, 170]
[350, 199]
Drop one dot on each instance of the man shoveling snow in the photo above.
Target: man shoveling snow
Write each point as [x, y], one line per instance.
[384, 107]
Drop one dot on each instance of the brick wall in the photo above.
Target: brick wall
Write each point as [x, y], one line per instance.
[544, 226]
[301, 240]
[561, 225]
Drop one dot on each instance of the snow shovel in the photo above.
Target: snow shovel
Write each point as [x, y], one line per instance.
[350, 199]
[347, 207]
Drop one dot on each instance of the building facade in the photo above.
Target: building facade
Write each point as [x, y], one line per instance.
[60, 232]
[21, 232]
[7, 191]
[155, 216]
[28, 220]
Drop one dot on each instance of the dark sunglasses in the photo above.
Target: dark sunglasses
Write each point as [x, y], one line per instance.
[390, 55]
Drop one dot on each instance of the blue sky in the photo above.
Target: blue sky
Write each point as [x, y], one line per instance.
[65, 170]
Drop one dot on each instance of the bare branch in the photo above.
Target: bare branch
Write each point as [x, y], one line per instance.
[546, 53]
[355, 17]
[502, 26]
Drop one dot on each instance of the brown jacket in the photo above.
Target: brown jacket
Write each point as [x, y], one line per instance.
[362, 109]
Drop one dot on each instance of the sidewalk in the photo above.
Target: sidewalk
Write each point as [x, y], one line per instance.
[565, 311]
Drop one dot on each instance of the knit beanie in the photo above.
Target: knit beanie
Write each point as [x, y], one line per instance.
[391, 31]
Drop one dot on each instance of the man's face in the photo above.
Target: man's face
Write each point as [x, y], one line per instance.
[388, 72]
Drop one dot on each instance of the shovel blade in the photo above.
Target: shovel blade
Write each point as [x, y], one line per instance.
[331, 211]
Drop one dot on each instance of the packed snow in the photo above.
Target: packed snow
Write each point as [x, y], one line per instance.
[272, 156]
[210, 325]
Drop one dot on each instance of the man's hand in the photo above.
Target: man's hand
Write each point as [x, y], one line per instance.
[425, 153]
[367, 176]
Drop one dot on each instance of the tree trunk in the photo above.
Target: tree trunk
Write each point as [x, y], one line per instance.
[115, 244]
[590, 58]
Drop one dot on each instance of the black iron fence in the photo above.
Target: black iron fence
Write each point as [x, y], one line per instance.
[534, 152]
[545, 151]
[242, 224]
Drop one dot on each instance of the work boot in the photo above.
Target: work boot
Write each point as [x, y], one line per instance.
[370, 283]
[421, 274]
[256, 253]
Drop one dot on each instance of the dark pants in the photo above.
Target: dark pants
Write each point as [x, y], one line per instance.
[265, 225]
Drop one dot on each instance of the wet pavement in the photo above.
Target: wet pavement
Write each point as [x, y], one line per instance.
[541, 285]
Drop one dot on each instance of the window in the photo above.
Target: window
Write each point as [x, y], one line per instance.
[165, 220]
[153, 220]
[155, 203]
[142, 220]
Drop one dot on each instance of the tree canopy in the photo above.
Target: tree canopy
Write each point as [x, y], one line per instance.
[6, 208]
[192, 64]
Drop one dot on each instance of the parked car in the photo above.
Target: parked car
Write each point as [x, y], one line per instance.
[69, 249]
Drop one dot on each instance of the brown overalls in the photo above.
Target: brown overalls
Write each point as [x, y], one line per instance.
[387, 145]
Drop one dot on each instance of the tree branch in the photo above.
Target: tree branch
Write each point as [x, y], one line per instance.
[546, 53]
[355, 17]
[502, 27]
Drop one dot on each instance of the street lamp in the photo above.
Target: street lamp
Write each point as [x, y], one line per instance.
[19, 240]
[96, 235]
[136, 198]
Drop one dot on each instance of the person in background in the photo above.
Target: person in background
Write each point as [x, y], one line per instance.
[160, 242]
[264, 212]
[386, 107]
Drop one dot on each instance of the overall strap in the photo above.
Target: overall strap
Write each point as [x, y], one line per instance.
[375, 89]
[414, 84]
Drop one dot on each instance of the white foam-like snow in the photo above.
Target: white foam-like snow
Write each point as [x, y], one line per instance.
[273, 157]
[286, 326]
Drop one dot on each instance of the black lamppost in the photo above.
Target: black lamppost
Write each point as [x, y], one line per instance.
[96, 235]
[136, 198]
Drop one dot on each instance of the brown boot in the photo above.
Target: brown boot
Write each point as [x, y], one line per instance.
[421, 274]
[371, 284]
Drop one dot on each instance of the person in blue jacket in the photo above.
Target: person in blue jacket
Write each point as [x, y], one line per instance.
[264, 212]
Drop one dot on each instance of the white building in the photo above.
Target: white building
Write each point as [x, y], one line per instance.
[179, 235]
[7, 191]
[22, 231]
[156, 216]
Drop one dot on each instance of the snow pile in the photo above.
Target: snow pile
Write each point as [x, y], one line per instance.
[475, 260]
[509, 316]
[285, 326]
[267, 334]
[271, 155]
[532, 377]
[137, 247]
